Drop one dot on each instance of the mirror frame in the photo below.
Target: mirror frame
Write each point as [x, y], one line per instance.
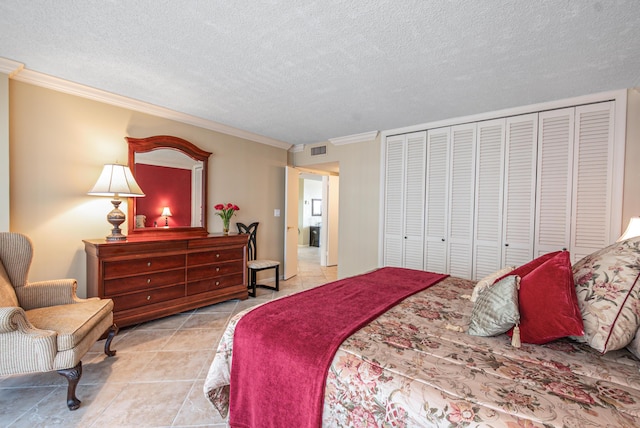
[142, 145]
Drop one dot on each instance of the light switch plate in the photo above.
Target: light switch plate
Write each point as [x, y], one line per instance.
[276, 213]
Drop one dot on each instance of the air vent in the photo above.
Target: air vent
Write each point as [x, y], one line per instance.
[319, 150]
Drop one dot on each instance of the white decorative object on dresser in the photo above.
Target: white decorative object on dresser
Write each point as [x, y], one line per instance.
[502, 188]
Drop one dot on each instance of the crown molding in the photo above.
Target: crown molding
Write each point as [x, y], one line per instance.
[10, 67]
[355, 138]
[297, 148]
[50, 82]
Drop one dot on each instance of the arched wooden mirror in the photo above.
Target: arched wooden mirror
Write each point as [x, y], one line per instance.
[172, 173]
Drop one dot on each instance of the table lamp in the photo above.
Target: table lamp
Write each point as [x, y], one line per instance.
[166, 213]
[116, 180]
[633, 229]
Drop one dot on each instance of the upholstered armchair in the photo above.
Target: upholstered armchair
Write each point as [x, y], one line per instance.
[44, 326]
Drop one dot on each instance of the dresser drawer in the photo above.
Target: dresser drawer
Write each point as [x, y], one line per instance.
[207, 257]
[148, 297]
[205, 285]
[116, 269]
[212, 271]
[146, 276]
[142, 282]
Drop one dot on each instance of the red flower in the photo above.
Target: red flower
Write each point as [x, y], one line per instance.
[225, 211]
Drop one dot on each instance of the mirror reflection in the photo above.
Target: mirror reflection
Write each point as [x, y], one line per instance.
[172, 184]
[173, 175]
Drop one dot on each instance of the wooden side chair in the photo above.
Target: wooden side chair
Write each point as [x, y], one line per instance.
[44, 326]
[254, 264]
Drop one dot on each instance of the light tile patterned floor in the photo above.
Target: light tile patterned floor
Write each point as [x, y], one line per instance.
[156, 378]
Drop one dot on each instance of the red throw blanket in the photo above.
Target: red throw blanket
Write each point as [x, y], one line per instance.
[282, 351]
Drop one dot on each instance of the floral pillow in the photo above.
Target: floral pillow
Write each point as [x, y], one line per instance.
[634, 346]
[609, 294]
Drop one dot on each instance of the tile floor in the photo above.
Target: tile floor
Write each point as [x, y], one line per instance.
[156, 378]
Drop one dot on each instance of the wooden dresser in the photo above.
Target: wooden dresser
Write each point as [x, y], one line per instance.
[152, 278]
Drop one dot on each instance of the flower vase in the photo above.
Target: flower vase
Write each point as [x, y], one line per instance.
[225, 227]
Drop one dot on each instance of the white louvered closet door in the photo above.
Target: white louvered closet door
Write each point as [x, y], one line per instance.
[436, 213]
[488, 204]
[518, 223]
[593, 178]
[393, 203]
[554, 181]
[461, 199]
[413, 223]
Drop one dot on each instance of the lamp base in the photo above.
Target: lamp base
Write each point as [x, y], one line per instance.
[115, 236]
[116, 218]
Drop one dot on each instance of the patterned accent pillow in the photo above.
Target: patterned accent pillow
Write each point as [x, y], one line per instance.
[496, 309]
[488, 281]
[609, 294]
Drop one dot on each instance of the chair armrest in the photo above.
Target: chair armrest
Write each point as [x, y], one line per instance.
[25, 348]
[13, 318]
[7, 315]
[48, 293]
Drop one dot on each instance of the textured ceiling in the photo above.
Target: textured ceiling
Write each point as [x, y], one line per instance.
[306, 71]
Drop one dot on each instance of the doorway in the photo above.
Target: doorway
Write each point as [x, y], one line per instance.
[318, 218]
[309, 218]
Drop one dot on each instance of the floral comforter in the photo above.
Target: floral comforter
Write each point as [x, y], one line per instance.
[415, 366]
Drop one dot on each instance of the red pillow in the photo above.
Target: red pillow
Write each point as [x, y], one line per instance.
[547, 299]
[525, 269]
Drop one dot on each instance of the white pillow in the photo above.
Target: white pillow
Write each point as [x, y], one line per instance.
[488, 281]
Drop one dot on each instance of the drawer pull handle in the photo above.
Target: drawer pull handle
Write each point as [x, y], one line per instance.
[148, 297]
[149, 264]
[217, 255]
[148, 280]
[217, 269]
[217, 282]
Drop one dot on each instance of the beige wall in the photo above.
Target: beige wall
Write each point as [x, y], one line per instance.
[4, 152]
[631, 205]
[359, 202]
[58, 144]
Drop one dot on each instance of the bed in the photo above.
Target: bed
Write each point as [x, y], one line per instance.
[416, 365]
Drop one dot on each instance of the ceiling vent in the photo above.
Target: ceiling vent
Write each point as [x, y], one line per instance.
[318, 150]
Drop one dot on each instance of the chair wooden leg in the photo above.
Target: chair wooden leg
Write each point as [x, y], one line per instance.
[73, 377]
[113, 330]
[252, 283]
